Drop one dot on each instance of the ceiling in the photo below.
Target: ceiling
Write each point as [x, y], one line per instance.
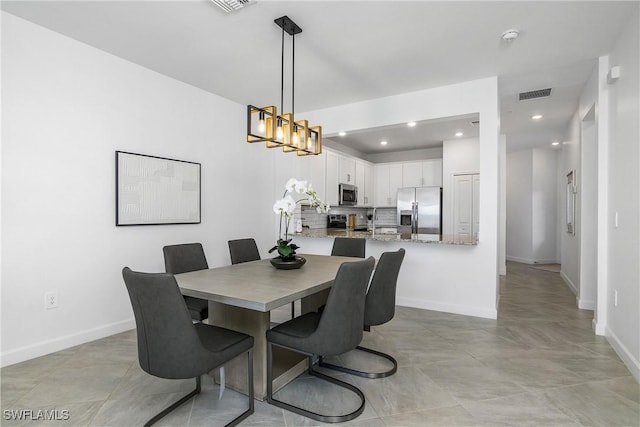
[351, 51]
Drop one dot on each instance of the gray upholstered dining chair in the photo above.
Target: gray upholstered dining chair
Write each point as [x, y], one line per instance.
[243, 250]
[336, 330]
[184, 258]
[171, 346]
[346, 246]
[380, 306]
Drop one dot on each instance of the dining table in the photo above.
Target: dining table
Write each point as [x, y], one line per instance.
[242, 296]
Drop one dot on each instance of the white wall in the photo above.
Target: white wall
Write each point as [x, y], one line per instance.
[519, 206]
[570, 243]
[531, 206]
[588, 212]
[543, 205]
[66, 108]
[623, 320]
[459, 156]
[431, 276]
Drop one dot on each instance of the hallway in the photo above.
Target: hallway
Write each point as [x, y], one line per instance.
[539, 364]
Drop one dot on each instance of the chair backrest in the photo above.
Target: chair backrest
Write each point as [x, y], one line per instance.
[380, 303]
[345, 246]
[184, 258]
[340, 327]
[243, 250]
[168, 344]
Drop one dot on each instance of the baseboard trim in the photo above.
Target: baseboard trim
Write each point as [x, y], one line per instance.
[486, 313]
[598, 328]
[531, 261]
[51, 346]
[586, 304]
[520, 260]
[623, 352]
[569, 283]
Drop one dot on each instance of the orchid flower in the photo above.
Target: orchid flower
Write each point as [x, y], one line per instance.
[286, 206]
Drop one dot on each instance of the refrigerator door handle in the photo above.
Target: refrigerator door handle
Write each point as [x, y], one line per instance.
[414, 223]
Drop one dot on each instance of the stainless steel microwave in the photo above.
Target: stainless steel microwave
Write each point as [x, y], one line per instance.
[348, 194]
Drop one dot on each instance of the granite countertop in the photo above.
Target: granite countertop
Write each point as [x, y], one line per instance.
[386, 237]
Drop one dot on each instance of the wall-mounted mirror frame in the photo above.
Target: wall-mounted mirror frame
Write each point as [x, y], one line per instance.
[572, 190]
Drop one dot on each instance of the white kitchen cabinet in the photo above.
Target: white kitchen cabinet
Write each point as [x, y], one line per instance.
[388, 178]
[364, 182]
[432, 173]
[346, 170]
[412, 174]
[425, 173]
[331, 178]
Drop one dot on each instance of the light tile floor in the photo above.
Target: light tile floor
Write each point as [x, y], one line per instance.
[539, 364]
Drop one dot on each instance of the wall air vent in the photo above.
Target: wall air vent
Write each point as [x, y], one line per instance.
[540, 93]
[232, 5]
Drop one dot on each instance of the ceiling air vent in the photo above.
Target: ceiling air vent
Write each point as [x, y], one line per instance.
[540, 93]
[232, 5]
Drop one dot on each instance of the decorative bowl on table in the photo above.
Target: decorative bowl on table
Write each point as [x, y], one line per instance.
[288, 264]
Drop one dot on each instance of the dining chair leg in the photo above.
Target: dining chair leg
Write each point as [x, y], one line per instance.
[197, 390]
[364, 374]
[173, 406]
[249, 411]
[304, 412]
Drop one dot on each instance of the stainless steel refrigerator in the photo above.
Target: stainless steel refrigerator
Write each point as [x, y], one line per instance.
[420, 211]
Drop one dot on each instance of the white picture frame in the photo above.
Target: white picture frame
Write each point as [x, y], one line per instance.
[153, 190]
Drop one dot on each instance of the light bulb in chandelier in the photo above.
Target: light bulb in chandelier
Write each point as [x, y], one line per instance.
[295, 137]
[279, 131]
[261, 123]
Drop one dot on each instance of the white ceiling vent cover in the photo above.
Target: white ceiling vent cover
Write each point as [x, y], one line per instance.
[540, 93]
[232, 5]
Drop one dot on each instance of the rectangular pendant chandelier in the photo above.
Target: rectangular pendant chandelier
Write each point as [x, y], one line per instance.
[264, 124]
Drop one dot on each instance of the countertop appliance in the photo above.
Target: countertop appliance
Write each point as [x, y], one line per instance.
[347, 194]
[336, 221]
[419, 211]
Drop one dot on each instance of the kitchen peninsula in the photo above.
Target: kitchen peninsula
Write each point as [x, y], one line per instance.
[385, 237]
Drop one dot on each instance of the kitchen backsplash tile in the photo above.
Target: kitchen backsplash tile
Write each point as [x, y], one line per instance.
[314, 220]
[386, 216]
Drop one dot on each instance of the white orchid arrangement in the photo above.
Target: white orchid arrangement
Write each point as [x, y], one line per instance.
[286, 206]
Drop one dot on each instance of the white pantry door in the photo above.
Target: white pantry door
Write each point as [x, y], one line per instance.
[466, 197]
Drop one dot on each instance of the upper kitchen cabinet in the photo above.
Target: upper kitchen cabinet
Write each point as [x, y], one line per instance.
[387, 180]
[364, 182]
[425, 173]
[346, 170]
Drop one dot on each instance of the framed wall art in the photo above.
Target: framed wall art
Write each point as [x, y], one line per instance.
[154, 190]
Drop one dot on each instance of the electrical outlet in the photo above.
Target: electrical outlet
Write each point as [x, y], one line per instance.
[615, 298]
[51, 300]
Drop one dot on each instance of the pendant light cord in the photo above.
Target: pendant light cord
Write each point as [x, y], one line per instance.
[282, 74]
[293, 71]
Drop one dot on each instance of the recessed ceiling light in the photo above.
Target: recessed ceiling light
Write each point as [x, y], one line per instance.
[510, 35]
[459, 133]
[411, 124]
[554, 143]
[383, 142]
[536, 116]
[342, 133]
